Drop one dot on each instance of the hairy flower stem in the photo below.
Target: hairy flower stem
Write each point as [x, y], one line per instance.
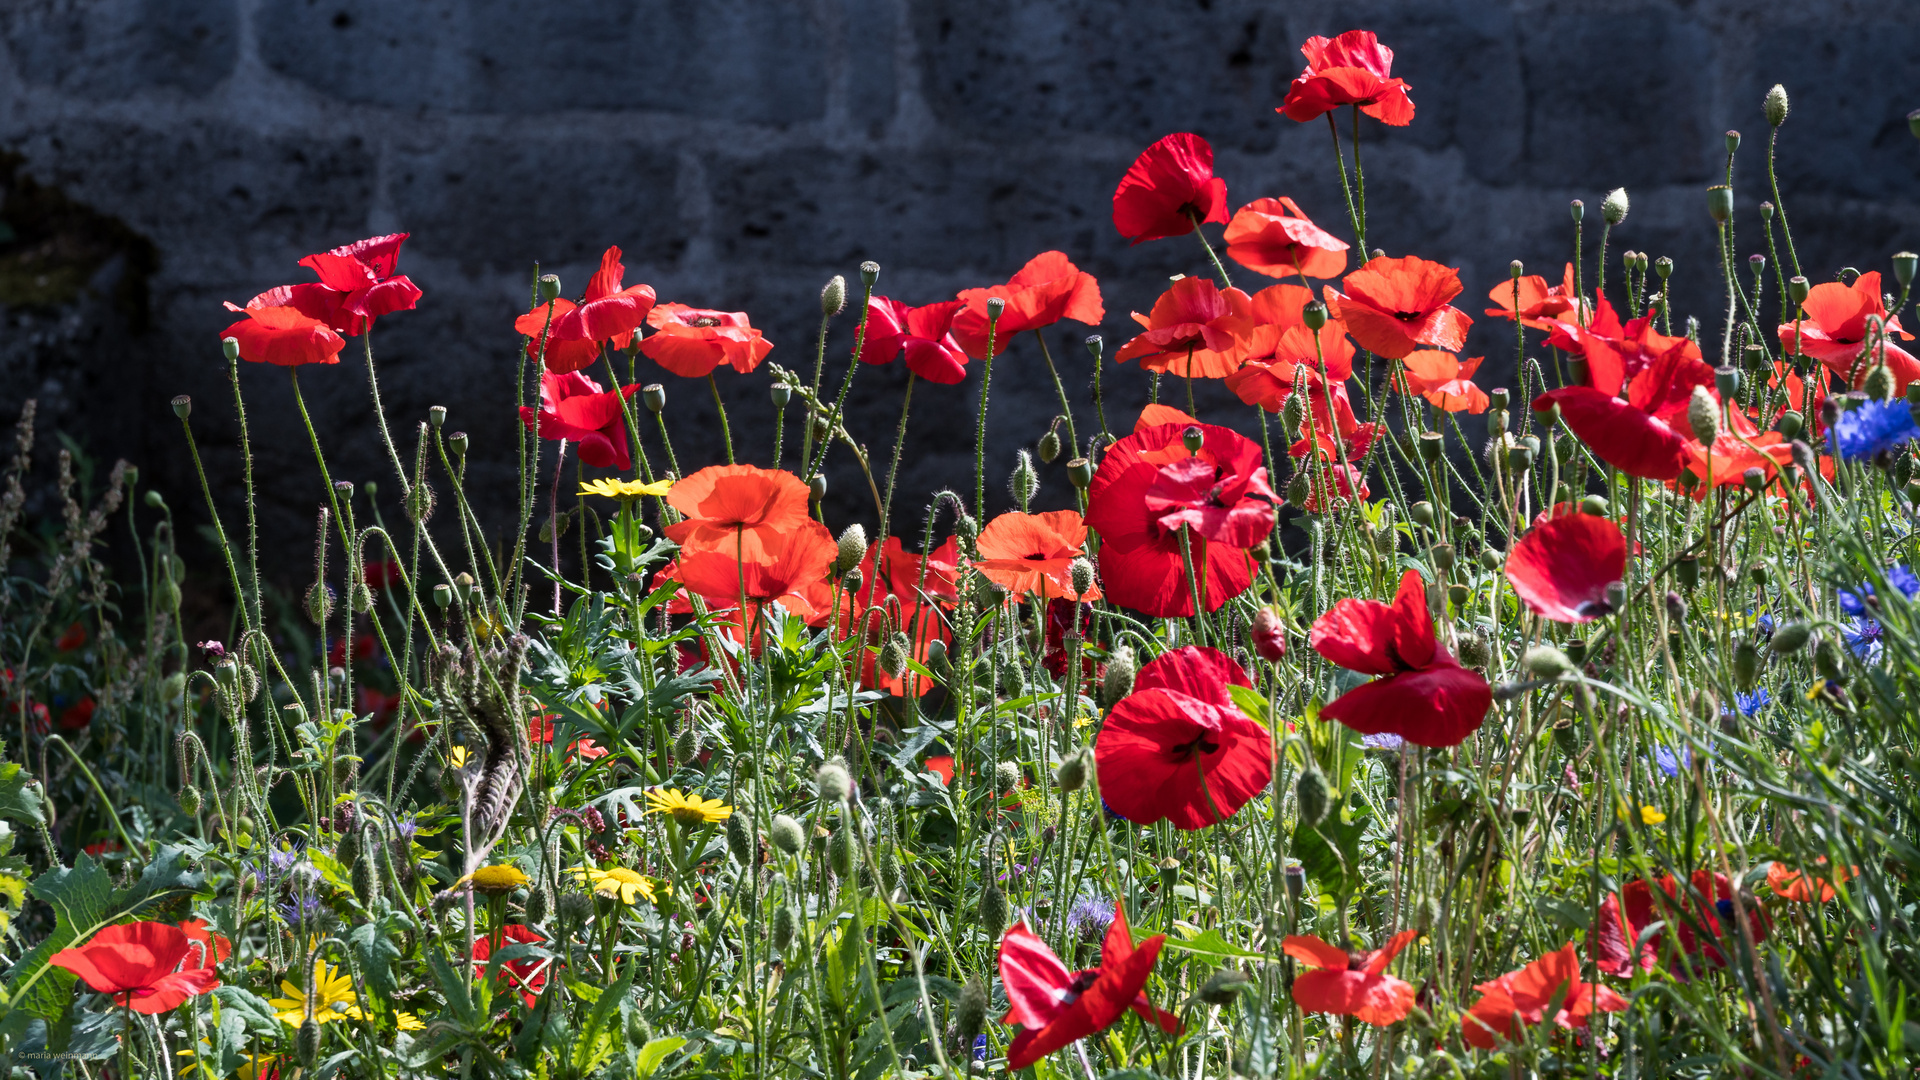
[1346, 188]
[1060, 390]
[980, 432]
[1218, 267]
[726, 431]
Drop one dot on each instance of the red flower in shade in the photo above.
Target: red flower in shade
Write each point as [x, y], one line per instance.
[528, 976]
[1835, 332]
[1194, 331]
[1561, 569]
[1178, 749]
[1640, 436]
[71, 638]
[1031, 553]
[740, 510]
[363, 648]
[363, 273]
[924, 334]
[1169, 187]
[1740, 447]
[1348, 70]
[1275, 238]
[1148, 486]
[574, 408]
[1708, 909]
[1790, 884]
[1055, 1007]
[147, 966]
[1351, 984]
[77, 715]
[794, 575]
[610, 311]
[1616, 353]
[1394, 306]
[1520, 999]
[1426, 697]
[1445, 380]
[283, 336]
[1049, 288]
[941, 765]
[382, 574]
[1540, 304]
[1064, 616]
[693, 341]
[540, 730]
[909, 588]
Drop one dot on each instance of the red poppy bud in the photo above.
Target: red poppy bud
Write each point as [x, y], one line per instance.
[1269, 636]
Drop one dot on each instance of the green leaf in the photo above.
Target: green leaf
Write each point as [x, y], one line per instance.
[80, 897]
[1210, 943]
[656, 1052]
[20, 799]
[1330, 854]
[375, 952]
[1251, 702]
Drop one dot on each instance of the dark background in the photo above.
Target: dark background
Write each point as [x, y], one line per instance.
[165, 155]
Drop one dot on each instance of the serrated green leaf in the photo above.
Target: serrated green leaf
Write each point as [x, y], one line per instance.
[18, 801]
[375, 952]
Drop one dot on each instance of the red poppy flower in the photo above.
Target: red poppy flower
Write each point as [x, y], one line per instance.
[1031, 553]
[1178, 749]
[1275, 238]
[1520, 999]
[142, 964]
[1640, 436]
[574, 408]
[1425, 697]
[363, 274]
[1351, 984]
[1616, 353]
[1561, 569]
[1741, 446]
[924, 334]
[540, 730]
[213, 948]
[693, 341]
[1445, 380]
[1835, 332]
[1268, 635]
[1194, 331]
[1335, 430]
[283, 336]
[101, 848]
[1540, 304]
[528, 976]
[71, 638]
[1351, 69]
[1394, 306]
[1049, 288]
[909, 588]
[1708, 908]
[741, 510]
[1055, 1007]
[941, 765]
[609, 311]
[1790, 884]
[1148, 486]
[793, 574]
[1064, 616]
[1169, 186]
[77, 715]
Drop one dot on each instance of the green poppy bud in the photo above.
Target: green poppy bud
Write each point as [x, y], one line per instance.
[1312, 796]
[1614, 209]
[1746, 665]
[1703, 414]
[306, 1042]
[1072, 774]
[1118, 682]
[1546, 661]
[842, 853]
[833, 297]
[1775, 106]
[1878, 384]
[1826, 659]
[833, 781]
[993, 911]
[852, 548]
[786, 834]
[970, 1015]
[1049, 447]
[1224, 987]
[783, 927]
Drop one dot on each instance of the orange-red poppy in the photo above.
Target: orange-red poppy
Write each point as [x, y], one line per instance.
[1394, 306]
[1169, 186]
[1520, 999]
[1351, 984]
[1049, 288]
[610, 311]
[283, 336]
[1352, 69]
[1835, 332]
[1540, 304]
[1802, 887]
[1275, 237]
[1445, 380]
[1194, 331]
[794, 575]
[691, 342]
[1032, 553]
[740, 510]
[1741, 446]
[909, 588]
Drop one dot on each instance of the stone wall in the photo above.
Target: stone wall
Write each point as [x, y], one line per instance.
[741, 153]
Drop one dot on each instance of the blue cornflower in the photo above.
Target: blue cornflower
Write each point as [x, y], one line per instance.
[1089, 917]
[1765, 625]
[980, 1048]
[1873, 427]
[1386, 740]
[1751, 704]
[1670, 761]
[1898, 576]
[1864, 638]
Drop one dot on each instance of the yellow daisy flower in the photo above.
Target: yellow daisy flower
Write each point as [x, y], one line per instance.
[406, 1021]
[618, 883]
[625, 490]
[499, 878]
[1649, 815]
[458, 757]
[687, 809]
[333, 998]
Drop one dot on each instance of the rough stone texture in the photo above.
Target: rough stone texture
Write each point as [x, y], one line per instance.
[741, 153]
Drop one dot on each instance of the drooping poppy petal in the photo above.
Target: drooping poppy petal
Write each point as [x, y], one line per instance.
[793, 574]
[1033, 553]
[285, 337]
[1394, 306]
[691, 342]
[1169, 186]
[1274, 237]
[1619, 434]
[1561, 569]
[1800, 887]
[1049, 288]
[1177, 748]
[1351, 986]
[1352, 69]
[1520, 999]
[1071, 1007]
[573, 407]
[1536, 303]
[1423, 695]
[1445, 380]
[1195, 331]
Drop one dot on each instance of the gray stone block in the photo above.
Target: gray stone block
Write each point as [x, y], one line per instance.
[1850, 91]
[101, 49]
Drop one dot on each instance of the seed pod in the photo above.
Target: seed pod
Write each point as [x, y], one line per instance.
[1790, 425]
[786, 834]
[869, 273]
[1080, 473]
[576, 907]
[852, 548]
[1421, 513]
[1311, 794]
[1475, 650]
[183, 406]
[817, 488]
[783, 925]
[1118, 682]
[306, 1044]
[457, 442]
[970, 1015]
[841, 851]
[993, 911]
[1578, 209]
[1904, 265]
[1746, 665]
[1442, 555]
[442, 595]
[1546, 661]
[1314, 315]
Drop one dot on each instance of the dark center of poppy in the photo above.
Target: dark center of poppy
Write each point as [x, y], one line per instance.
[705, 320]
[1357, 960]
[1409, 316]
[1082, 980]
[1185, 751]
[1593, 609]
[1035, 557]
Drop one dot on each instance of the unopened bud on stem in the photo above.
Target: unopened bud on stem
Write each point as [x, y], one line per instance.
[1614, 209]
[1775, 106]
